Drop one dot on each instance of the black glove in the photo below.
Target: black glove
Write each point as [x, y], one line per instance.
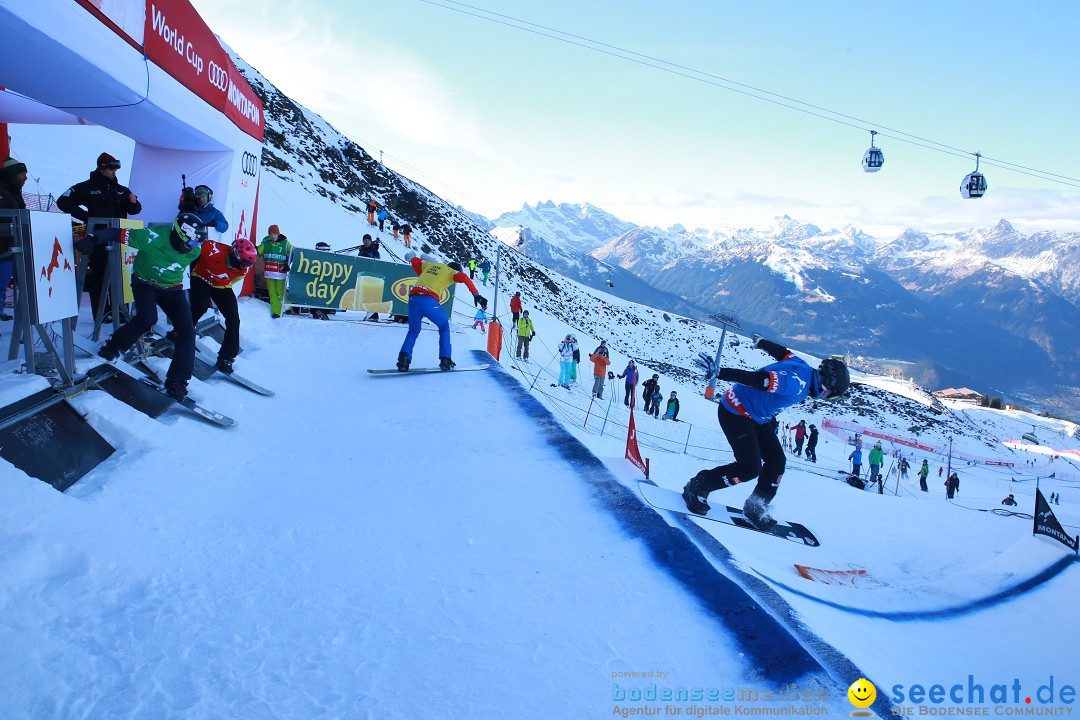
[479, 300]
[610, 375]
[85, 244]
[532, 336]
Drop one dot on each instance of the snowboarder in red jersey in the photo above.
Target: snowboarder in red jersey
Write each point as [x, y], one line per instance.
[424, 297]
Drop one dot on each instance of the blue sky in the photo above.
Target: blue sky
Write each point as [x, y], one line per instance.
[492, 117]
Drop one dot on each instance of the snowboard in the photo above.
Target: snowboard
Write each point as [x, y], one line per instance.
[420, 371]
[163, 346]
[671, 500]
[151, 379]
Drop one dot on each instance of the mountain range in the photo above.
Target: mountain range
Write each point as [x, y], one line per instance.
[932, 307]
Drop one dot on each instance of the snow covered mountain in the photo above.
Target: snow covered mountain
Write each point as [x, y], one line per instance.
[938, 302]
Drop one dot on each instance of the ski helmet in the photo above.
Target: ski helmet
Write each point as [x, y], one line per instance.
[455, 265]
[189, 230]
[833, 378]
[244, 252]
[205, 191]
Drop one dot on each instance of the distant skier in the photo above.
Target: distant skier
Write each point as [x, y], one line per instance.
[877, 459]
[526, 331]
[1010, 501]
[856, 459]
[372, 206]
[800, 436]
[649, 388]
[600, 363]
[480, 319]
[435, 279]
[747, 415]
[485, 267]
[515, 308]
[406, 235]
[382, 215]
[811, 444]
[566, 360]
[672, 412]
[630, 378]
[952, 486]
[924, 471]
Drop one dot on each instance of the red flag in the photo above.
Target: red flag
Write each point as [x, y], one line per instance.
[633, 454]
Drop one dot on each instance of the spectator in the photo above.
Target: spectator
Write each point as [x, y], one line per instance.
[856, 459]
[1010, 501]
[99, 196]
[952, 485]
[525, 334]
[515, 306]
[157, 276]
[577, 359]
[600, 363]
[12, 179]
[368, 248]
[479, 319]
[213, 274]
[372, 206]
[566, 360]
[877, 459]
[276, 251]
[472, 268]
[205, 210]
[485, 267]
[382, 215]
[406, 232]
[811, 444]
[630, 378]
[395, 225]
[648, 389]
[924, 471]
[940, 470]
[435, 279]
[904, 467]
[672, 412]
[800, 437]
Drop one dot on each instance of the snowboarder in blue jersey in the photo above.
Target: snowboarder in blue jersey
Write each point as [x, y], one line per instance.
[747, 415]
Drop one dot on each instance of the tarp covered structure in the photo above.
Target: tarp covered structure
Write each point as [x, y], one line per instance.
[148, 69]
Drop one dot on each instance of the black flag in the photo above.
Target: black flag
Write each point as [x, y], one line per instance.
[1047, 524]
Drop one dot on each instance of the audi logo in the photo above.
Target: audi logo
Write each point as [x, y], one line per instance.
[249, 164]
[218, 76]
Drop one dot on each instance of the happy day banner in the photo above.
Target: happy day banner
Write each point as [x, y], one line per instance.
[337, 282]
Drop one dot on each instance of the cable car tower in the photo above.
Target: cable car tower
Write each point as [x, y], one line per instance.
[873, 159]
[974, 184]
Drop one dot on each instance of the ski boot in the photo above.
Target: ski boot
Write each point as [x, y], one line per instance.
[446, 363]
[108, 352]
[402, 362]
[756, 510]
[696, 500]
[225, 365]
[176, 389]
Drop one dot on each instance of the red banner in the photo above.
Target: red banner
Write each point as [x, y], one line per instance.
[178, 41]
[633, 454]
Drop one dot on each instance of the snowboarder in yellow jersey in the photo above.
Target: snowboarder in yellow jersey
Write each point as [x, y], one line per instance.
[435, 279]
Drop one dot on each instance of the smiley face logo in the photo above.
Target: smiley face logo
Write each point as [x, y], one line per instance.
[862, 693]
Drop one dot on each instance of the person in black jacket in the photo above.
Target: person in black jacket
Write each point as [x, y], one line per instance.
[811, 444]
[100, 196]
[12, 179]
[369, 249]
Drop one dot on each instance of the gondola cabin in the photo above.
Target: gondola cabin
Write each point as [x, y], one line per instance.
[974, 185]
[1031, 438]
[873, 160]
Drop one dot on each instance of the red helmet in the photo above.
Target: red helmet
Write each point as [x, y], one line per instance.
[244, 252]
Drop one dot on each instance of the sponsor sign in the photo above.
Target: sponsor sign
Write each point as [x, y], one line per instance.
[338, 282]
[179, 42]
[1047, 524]
[53, 264]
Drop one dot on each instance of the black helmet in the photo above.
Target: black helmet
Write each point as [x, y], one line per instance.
[204, 190]
[189, 230]
[455, 265]
[833, 378]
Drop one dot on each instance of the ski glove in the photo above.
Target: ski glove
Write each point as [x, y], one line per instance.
[706, 363]
[610, 375]
[479, 300]
[409, 256]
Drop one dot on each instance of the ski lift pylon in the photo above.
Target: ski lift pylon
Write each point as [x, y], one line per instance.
[974, 184]
[873, 159]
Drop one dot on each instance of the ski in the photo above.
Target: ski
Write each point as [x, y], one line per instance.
[420, 371]
[671, 500]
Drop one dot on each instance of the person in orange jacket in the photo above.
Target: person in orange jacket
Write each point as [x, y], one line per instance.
[213, 274]
[600, 363]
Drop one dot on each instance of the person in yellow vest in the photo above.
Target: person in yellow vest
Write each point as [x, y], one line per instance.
[424, 297]
[275, 250]
[525, 334]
